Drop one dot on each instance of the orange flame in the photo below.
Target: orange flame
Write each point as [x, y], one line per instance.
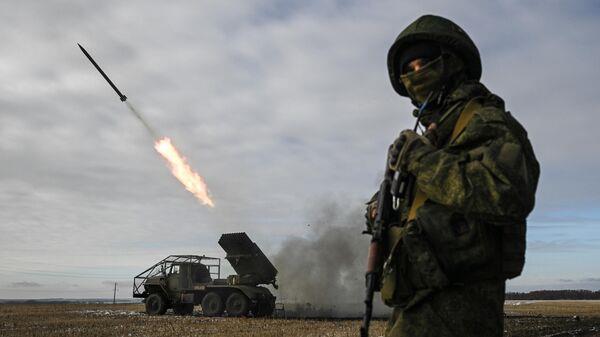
[191, 180]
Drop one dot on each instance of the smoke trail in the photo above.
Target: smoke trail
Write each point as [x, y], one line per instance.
[323, 274]
[138, 115]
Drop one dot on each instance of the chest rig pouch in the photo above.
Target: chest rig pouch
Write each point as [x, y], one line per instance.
[464, 246]
[411, 270]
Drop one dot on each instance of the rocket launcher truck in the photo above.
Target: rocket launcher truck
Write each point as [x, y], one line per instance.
[180, 282]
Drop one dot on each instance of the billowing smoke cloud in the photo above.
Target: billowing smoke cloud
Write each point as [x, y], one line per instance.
[322, 274]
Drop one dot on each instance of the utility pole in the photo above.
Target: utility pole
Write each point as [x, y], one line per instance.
[115, 294]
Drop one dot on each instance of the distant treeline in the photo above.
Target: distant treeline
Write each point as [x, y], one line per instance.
[555, 295]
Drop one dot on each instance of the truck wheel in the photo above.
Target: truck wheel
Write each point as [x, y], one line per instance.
[237, 304]
[264, 308]
[183, 309]
[156, 304]
[212, 305]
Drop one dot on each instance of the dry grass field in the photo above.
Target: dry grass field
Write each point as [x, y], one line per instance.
[525, 319]
[553, 308]
[25, 320]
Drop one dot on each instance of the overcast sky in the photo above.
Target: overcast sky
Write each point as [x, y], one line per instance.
[281, 106]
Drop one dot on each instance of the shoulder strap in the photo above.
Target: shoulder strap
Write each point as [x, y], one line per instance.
[465, 116]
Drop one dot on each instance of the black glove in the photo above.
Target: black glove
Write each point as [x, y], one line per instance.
[395, 149]
[414, 147]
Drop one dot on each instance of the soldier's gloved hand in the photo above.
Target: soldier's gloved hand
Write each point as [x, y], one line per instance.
[415, 146]
[394, 151]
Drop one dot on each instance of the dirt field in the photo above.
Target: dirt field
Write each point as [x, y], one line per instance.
[548, 318]
[552, 318]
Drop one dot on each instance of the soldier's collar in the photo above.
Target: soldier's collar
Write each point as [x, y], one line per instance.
[448, 111]
[460, 95]
[465, 91]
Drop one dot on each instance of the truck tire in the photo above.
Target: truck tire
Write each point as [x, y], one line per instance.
[264, 309]
[156, 304]
[183, 309]
[237, 304]
[212, 305]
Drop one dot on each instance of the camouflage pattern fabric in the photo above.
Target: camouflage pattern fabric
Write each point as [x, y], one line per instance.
[457, 311]
[489, 170]
[479, 183]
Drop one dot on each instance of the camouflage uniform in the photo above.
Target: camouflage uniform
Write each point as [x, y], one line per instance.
[446, 269]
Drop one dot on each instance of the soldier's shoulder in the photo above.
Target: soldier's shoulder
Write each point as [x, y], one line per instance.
[489, 119]
[491, 115]
[489, 109]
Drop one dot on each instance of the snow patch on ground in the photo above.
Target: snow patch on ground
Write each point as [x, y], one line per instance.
[110, 313]
[518, 302]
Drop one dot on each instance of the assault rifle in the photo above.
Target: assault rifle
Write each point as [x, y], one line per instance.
[393, 188]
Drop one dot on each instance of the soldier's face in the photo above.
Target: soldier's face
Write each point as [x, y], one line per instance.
[415, 65]
[421, 77]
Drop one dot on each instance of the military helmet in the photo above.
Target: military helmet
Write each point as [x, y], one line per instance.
[436, 29]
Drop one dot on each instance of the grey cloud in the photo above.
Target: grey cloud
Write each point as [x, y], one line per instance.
[121, 284]
[557, 220]
[25, 284]
[589, 283]
[592, 284]
[568, 245]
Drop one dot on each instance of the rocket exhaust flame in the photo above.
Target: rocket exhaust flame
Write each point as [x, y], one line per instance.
[178, 165]
[191, 180]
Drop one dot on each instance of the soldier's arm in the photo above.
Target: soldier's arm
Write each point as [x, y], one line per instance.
[484, 172]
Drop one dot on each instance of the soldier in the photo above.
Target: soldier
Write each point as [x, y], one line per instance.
[459, 232]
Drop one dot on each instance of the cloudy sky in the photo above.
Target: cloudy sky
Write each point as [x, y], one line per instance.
[282, 105]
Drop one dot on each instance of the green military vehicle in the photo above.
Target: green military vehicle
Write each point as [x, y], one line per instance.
[180, 282]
